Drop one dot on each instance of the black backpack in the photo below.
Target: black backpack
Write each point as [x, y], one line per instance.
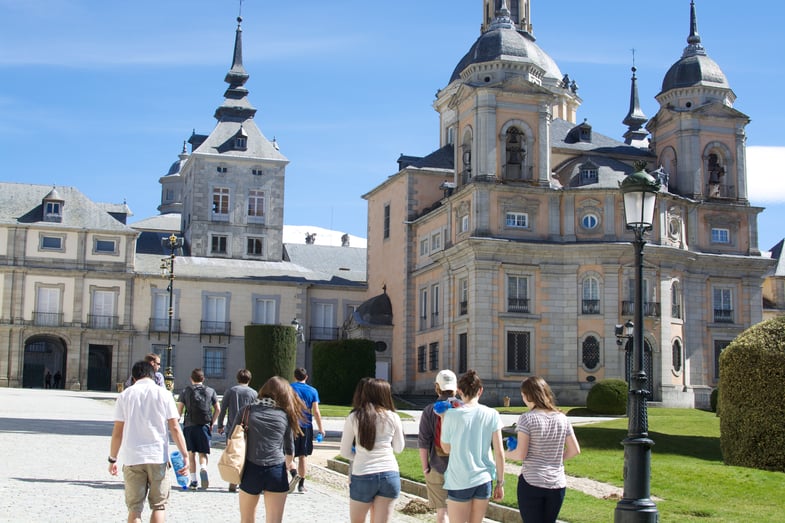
[198, 407]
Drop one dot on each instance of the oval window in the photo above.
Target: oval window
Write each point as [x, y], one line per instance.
[590, 221]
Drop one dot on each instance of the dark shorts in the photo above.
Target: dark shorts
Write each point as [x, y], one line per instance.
[197, 438]
[257, 479]
[303, 445]
[366, 487]
[482, 491]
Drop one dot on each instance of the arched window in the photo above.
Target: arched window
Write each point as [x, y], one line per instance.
[677, 355]
[466, 157]
[590, 353]
[676, 300]
[515, 154]
[590, 302]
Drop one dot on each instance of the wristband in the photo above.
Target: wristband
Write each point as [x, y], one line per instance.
[500, 483]
[110, 459]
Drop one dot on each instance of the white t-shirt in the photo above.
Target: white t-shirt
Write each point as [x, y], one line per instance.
[389, 440]
[145, 410]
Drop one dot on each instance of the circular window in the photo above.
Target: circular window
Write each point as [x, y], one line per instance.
[590, 221]
[380, 346]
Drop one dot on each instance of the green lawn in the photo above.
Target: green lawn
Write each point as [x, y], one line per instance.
[341, 411]
[687, 473]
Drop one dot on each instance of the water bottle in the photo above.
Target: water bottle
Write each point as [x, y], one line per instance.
[177, 464]
[440, 407]
[319, 437]
[512, 443]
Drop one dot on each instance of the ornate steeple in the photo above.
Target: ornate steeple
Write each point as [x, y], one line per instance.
[694, 46]
[635, 118]
[236, 106]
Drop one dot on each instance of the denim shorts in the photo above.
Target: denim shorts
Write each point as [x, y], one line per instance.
[366, 487]
[482, 491]
[257, 479]
[197, 438]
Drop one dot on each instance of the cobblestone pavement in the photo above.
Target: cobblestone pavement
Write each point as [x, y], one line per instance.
[54, 445]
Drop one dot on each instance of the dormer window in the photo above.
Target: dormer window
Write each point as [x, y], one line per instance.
[240, 143]
[52, 207]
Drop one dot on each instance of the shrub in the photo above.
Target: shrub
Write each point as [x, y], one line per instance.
[270, 350]
[608, 397]
[713, 399]
[752, 373]
[339, 365]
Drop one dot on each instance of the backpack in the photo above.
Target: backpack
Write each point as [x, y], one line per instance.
[198, 407]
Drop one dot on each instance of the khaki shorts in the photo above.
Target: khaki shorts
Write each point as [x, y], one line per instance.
[137, 478]
[434, 484]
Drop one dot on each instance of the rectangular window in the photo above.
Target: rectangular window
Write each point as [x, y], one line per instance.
[221, 201]
[264, 311]
[422, 364]
[255, 247]
[47, 311]
[103, 310]
[463, 352]
[719, 346]
[214, 315]
[386, 221]
[517, 219]
[720, 235]
[54, 243]
[423, 309]
[518, 352]
[160, 320]
[256, 172]
[323, 321]
[435, 299]
[464, 223]
[255, 203]
[214, 362]
[105, 246]
[722, 299]
[463, 296]
[517, 294]
[433, 355]
[218, 244]
[52, 208]
[436, 241]
[424, 247]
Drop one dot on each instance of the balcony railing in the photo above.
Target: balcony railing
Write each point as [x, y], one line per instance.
[675, 311]
[590, 306]
[518, 305]
[650, 308]
[162, 325]
[463, 308]
[216, 327]
[48, 319]
[98, 321]
[435, 319]
[723, 315]
[721, 191]
[324, 333]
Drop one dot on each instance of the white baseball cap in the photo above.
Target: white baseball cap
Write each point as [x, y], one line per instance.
[446, 380]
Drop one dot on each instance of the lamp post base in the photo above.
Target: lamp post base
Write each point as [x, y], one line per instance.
[636, 511]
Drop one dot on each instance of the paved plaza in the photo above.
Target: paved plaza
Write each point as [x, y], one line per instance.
[54, 445]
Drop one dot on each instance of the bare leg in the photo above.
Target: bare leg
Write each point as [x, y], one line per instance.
[301, 464]
[274, 503]
[441, 516]
[358, 511]
[134, 517]
[479, 507]
[248, 503]
[458, 511]
[382, 509]
[158, 516]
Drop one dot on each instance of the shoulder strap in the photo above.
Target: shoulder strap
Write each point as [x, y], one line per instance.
[244, 420]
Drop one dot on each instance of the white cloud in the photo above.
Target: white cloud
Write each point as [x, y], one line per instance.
[766, 174]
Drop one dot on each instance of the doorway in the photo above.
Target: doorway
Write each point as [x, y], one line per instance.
[44, 356]
[99, 367]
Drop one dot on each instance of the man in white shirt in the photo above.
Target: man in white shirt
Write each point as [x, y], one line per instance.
[142, 414]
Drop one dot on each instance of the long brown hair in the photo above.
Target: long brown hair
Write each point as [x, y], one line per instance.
[537, 391]
[371, 397]
[279, 390]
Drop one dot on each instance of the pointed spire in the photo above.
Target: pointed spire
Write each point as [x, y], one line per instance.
[236, 105]
[694, 46]
[635, 118]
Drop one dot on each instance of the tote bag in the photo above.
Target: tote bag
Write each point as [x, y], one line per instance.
[232, 461]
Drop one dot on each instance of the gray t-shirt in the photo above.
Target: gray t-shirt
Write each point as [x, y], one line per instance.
[269, 436]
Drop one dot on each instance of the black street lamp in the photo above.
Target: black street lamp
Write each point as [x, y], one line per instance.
[639, 190]
[174, 244]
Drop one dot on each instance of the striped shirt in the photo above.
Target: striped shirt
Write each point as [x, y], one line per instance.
[544, 463]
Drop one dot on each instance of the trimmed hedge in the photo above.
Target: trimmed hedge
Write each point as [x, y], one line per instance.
[751, 397]
[270, 350]
[608, 397]
[339, 365]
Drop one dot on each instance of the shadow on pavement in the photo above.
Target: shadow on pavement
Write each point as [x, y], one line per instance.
[112, 485]
[57, 426]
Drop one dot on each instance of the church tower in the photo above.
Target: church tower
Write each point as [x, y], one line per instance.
[233, 180]
[698, 136]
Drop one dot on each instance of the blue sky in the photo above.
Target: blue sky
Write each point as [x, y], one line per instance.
[101, 94]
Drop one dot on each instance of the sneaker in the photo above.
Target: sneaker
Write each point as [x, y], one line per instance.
[232, 487]
[193, 485]
[204, 479]
[294, 482]
[301, 489]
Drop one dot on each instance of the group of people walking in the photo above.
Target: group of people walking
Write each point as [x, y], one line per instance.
[460, 445]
